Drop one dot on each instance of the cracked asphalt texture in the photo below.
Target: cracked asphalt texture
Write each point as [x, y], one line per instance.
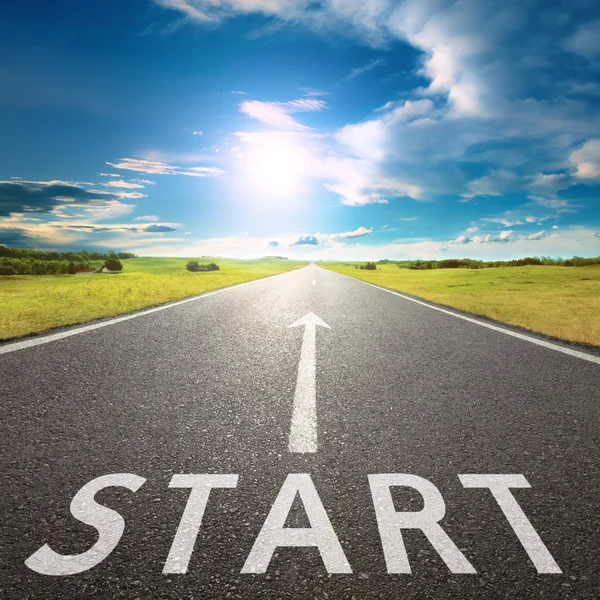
[207, 387]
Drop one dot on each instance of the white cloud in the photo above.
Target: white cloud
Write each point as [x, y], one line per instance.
[336, 240]
[361, 231]
[197, 133]
[109, 210]
[461, 239]
[560, 205]
[278, 114]
[494, 184]
[548, 183]
[375, 139]
[91, 227]
[502, 221]
[536, 236]
[123, 184]
[361, 182]
[586, 160]
[131, 195]
[357, 71]
[152, 218]
[366, 140]
[479, 239]
[156, 167]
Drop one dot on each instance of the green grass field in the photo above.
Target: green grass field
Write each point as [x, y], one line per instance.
[563, 302]
[31, 304]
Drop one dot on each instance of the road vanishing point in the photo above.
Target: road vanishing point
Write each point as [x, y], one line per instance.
[302, 436]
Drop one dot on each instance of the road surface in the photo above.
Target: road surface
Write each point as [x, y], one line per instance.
[368, 383]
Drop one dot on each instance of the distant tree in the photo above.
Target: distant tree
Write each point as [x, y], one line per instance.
[192, 266]
[113, 264]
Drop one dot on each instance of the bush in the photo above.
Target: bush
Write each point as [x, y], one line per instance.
[194, 267]
[7, 270]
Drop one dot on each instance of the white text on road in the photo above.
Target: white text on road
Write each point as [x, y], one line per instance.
[320, 534]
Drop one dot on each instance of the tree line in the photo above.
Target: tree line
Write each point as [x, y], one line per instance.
[469, 263]
[31, 266]
[83, 256]
[24, 261]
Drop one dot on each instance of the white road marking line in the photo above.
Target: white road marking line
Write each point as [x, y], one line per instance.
[303, 432]
[521, 336]
[14, 346]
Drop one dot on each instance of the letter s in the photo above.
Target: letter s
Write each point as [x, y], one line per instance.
[109, 524]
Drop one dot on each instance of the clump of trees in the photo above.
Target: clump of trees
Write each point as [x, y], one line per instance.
[370, 266]
[194, 267]
[113, 264]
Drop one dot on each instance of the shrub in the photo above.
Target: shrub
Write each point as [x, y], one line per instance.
[194, 267]
[7, 270]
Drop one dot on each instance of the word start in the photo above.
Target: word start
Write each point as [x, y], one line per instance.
[321, 535]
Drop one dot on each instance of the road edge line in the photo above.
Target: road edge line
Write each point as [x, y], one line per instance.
[576, 353]
[46, 339]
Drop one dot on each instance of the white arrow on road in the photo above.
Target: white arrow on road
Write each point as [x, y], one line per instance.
[303, 433]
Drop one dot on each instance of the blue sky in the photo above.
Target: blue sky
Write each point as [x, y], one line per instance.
[361, 129]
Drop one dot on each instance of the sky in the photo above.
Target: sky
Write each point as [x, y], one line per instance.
[331, 129]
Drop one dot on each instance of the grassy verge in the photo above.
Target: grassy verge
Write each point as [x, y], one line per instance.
[563, 302]
[31, 304]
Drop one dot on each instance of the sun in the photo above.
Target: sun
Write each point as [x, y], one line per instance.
[277, 168]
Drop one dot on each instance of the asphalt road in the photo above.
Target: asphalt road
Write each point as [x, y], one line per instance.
[209, 387]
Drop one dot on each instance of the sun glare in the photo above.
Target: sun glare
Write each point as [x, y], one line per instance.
[277, 169]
